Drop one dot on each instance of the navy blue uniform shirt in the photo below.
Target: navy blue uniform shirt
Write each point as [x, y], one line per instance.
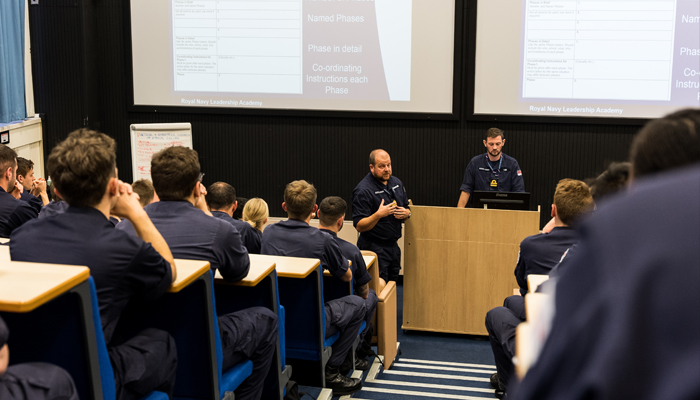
[32, 200]
[122, 266]
[295, 238]
[13, 213]
[4, 333]
[367, 197]
[540, 253]
[627, 323]
[359, 269]
[53, 208]
[250, 236]
[193, 235]
[481, 173]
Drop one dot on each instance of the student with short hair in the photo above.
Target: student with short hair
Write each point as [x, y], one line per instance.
[296, 238]
[56, 206]
[238, 213]
[249, 334]
[221, 199]
[256, 213]
[34, 191]
[538, 255]
[13, 212]
[126, 269]
[32, 381]
[147, 194]
[331, 216]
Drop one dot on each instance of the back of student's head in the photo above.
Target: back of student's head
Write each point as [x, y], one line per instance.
[144, 188]
[256, 213]
[610, 181]
[220, 196]
[238, 212]
[8, 158]
[81, 166]
[299, 197]
[330, 209]
[666, 143]
[573, 199]
[24, 166]
[175, 172]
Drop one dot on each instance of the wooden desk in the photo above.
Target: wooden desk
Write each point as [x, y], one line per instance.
[294, 267]
[328, 273]
[534, 303]
[369, 261]
[187, 272]
[534, 281]
[26, 286]
[260, 267]
[4, 240]
[4, 254]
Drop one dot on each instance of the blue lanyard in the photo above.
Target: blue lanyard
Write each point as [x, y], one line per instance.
[488, 161]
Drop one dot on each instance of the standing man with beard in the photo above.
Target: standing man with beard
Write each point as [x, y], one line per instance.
[379, 207]
[493, 171]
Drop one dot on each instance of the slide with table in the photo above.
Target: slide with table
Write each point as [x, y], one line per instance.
[351, 55]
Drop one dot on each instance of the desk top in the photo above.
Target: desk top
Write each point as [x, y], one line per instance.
[369, 260]
[25, 286]
[4, 240]
[260, 267]
[534, 281]
[293, 267]
[4, 254]
[534, 304]
[187, 272]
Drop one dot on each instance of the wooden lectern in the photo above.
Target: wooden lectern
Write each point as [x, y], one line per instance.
[459, 264]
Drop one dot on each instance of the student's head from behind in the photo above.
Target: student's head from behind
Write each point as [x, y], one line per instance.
[666, 143]
[82, 166]
[256, 213]
[147, 194]
[331, 212]
[612, 180]
[494, 141]
[299, 200]
[175, 173]
[380, 165]
[222, 197]
[238, 212]
[8, 166]
[25, 172]
[572, 199]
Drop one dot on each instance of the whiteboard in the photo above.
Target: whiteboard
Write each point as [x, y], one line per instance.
[148, 139]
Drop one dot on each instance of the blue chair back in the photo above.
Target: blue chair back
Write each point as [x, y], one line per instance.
[109, 391]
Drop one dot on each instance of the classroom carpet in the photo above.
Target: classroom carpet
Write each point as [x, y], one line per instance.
[430, 365]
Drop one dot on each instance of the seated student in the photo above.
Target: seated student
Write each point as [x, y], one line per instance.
[238, 213]
[538, 255]
[256, 213]
[221, 199]
[249, 334]
[331, 215]
[144, 188]
[13, 212]
[56, 206]
[125, 269]
[295, 238]
[34, 191]
[32, 381]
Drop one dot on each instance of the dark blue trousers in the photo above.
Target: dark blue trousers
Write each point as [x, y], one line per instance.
[370, 306]
[249, 334]
[388, 257]
[344, 315]
[37, 381]
[501, 324]
[516, 304]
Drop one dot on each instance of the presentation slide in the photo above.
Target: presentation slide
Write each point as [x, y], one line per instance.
[344, 55]
[587, 58]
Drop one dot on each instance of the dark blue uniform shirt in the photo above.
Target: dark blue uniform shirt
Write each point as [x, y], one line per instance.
[122, 266]
[32, 200]
[295, 238]
[13, 213]
[4, 333]
[540, 253]
[53, 208]
[367, 197]
[481, 173]
[627, 323]
[359, 269]
[193, 235]
[249, 235]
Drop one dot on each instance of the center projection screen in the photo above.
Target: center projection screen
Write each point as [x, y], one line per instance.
[634, 59]
[337, 55]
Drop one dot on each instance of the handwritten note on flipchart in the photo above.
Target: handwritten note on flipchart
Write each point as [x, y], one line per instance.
[148, 139]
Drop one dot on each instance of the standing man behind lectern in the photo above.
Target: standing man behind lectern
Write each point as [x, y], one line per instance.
[492, 171]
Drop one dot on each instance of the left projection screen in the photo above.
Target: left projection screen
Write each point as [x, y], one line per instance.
[337, 55]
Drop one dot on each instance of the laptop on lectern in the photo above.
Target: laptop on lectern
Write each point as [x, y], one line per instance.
[501, 200]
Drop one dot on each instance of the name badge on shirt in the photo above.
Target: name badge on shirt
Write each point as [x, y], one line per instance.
[494, 183]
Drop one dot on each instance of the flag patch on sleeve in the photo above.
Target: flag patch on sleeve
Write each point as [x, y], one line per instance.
[520, 173]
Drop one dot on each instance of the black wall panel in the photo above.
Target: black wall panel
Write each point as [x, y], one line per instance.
[259, 155]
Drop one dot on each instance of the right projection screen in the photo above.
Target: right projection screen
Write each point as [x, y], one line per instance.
[586, 58]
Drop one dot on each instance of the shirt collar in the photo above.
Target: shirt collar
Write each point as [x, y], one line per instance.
[88, 212]
[328, 232]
